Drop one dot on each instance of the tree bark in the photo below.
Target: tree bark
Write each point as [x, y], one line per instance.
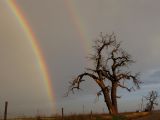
[108, 102]
[114, 96]
[107, 98]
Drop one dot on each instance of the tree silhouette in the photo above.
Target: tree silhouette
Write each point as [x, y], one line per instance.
[110, 70]
[151, 100]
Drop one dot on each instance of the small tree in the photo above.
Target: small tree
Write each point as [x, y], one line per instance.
[151, 100]
[110, 70]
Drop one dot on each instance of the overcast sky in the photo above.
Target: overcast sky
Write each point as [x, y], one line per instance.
[65, 30]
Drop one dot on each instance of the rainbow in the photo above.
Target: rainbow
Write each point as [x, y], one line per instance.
[35, 45]
[79, 24]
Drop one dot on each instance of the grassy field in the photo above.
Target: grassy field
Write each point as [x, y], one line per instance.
[122, 116]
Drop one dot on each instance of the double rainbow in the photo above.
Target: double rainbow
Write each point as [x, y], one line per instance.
[79, 26]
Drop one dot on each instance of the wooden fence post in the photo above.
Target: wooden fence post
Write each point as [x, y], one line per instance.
[91, 115]
[62, 114]
[5, 111]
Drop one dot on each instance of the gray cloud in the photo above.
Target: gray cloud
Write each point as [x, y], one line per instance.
[136, 23]
[152, 77]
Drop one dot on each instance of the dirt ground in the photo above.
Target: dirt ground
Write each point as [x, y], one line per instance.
[152, 116]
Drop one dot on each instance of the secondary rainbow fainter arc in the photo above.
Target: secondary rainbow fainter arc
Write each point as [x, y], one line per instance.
[36, 48]
[78, 23]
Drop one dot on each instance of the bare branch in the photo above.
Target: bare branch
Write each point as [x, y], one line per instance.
[128, 76]
[119, 96]
[128, 89]
[99, 93]
[75, 84]
[99, 50]
[100, 44]
[120, 58]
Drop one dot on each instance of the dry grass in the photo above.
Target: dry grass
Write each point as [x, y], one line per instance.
[136, 115]
[122, 116]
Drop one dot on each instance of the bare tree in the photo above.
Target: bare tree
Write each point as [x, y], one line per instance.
[110, 70]
[151, 100]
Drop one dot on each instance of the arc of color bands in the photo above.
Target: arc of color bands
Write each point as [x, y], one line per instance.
[34, 43]
[78, 23]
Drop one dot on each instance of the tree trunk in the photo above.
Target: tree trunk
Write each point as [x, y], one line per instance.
[108, 102]
[151, 106]
[107, 98]
[114, 97]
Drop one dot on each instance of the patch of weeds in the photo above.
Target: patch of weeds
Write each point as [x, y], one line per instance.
[119, 117]
[98, 118]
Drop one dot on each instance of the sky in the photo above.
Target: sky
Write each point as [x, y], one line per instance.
[65, 31]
